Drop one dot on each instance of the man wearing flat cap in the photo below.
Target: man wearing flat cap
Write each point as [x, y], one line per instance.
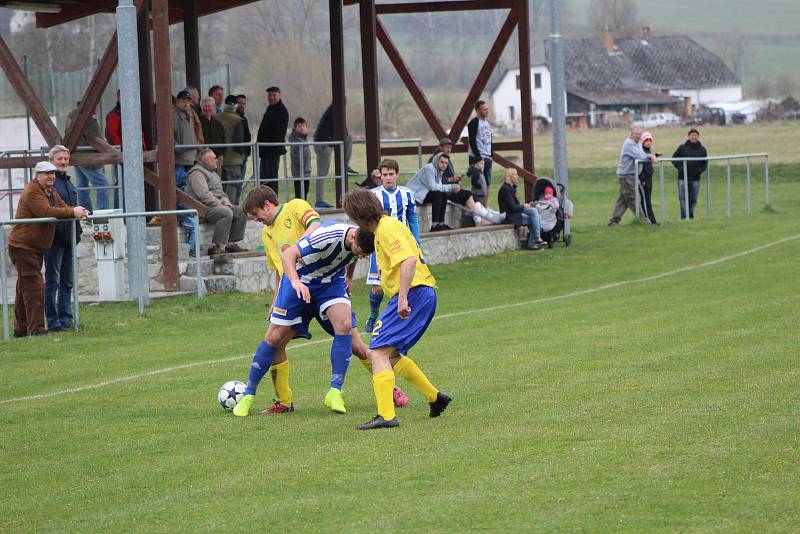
[28, 243]
[272, 130]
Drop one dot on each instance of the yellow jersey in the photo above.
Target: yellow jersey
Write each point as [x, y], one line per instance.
[394, 243]
[291, 222]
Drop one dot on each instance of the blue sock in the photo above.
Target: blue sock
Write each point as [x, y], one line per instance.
[375, 302]
[341, 351]
[261, 363]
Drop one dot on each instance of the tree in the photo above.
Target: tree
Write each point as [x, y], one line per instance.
[619, 16]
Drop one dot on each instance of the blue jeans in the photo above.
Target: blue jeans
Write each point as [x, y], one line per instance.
[86, 176]
[694, 188]
[530, 218]
[187, 221]
[58, 286]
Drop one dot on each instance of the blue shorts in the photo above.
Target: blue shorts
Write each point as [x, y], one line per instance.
[392, 331]
[374, 274]
[291, 310]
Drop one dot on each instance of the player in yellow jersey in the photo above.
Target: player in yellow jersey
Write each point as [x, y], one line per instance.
[409, 285]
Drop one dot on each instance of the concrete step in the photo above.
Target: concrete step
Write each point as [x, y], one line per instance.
[221, 264]
[215, 283]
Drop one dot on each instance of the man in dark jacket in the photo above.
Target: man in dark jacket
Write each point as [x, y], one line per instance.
[28, 243]
[241, 106]
[272, 130]
[213, 131]
[324, 132]
[58, 273]
[692, 148]
[518, 213]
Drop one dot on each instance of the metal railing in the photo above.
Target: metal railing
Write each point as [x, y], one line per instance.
[144, 282]
[685, 182]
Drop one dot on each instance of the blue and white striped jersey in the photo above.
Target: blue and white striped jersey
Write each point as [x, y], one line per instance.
[323, 256]
[400, 204]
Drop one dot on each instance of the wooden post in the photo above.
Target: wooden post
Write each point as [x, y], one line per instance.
[338, 92]
[166, 155]
[369, 57]
[526, 95]
[146, 97]
[191, 43]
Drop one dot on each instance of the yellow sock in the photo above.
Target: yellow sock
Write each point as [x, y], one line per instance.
[408, 370]
[383, 384]
[280, 378]
[367, 364]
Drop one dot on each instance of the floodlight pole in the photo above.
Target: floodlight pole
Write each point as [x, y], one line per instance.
[558, 94]
[132, 156]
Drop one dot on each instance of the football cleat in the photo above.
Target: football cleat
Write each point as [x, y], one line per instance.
[242, 408]
[439, 405]
[370, 324]
[278, 408]
[334, 401]
[399, 397]
[379, 422]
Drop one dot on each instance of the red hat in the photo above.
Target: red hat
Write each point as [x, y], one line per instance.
[646, 136]
[550, 190]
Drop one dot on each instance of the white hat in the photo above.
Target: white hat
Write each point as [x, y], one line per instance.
[44, 166]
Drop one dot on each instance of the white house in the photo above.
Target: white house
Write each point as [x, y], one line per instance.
[604, 76]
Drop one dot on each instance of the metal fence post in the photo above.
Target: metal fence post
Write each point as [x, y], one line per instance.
[766, 180]
[3, 287]
[344, 173]
[728, 185]
[302, 158]
[747, 170]
[198, 273]
[661, 186]
[256, 166]
[708, 190]
[286, 181]
[636, 187]
[142, 289]
[419, 155]
[685, 186]
[76, 320]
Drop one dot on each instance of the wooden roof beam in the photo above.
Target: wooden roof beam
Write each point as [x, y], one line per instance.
[433, 7]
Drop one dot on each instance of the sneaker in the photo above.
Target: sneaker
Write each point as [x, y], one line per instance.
[400, 398]
[534, 246]
[350, 170]
[278, 408]
[439, 405]
[612, 223]
[370, 324]
[334, 401]
[379, 422]
[242, 408]
[539, 241]
[322, 204]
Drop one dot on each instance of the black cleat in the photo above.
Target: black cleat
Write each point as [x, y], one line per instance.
[379, 422]
[439, 405]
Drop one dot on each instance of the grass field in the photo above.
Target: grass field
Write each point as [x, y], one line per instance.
[644, 379]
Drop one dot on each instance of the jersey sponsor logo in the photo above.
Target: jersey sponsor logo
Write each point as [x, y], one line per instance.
[395, 246]
[279, 311]
[287, 223]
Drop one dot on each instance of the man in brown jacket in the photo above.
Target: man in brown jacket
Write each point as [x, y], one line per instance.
[29, 242]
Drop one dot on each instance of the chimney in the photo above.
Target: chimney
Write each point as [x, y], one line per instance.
[645, 34]
[608, 41]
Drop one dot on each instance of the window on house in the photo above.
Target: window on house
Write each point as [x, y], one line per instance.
[517, 82]
[549, 110]
[512, 113]
[537, 81]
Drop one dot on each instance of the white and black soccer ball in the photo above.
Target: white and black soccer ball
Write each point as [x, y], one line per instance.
[230, 394]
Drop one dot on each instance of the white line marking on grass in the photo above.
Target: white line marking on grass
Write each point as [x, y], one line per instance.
[604, 287]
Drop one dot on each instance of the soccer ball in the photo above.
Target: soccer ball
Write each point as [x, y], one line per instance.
[230, 394]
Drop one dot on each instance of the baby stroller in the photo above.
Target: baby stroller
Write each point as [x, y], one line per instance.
[555, 222]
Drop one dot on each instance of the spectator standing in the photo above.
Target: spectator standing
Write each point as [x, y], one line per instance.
[89, 175]
[692, 148]
[28, 243]
[213, 131]
[646, 181]
[217, 93]
[324, 132]
[301, 158]
[205, 185]
[114, 137]
[233, 128]
[272, 130]
[480, 140]
[518, 213]
[184, 134]
[478, 181]
[626, 174]
[194, 113]
[195, 94]
[58, 259]
[241, 106]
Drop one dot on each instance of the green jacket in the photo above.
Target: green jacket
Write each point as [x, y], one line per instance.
[233, 126]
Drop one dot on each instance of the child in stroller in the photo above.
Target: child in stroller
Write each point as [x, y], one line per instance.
[555, 210]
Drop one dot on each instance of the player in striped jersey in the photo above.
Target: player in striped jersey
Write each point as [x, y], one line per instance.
[317, 274]
[397, 202]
